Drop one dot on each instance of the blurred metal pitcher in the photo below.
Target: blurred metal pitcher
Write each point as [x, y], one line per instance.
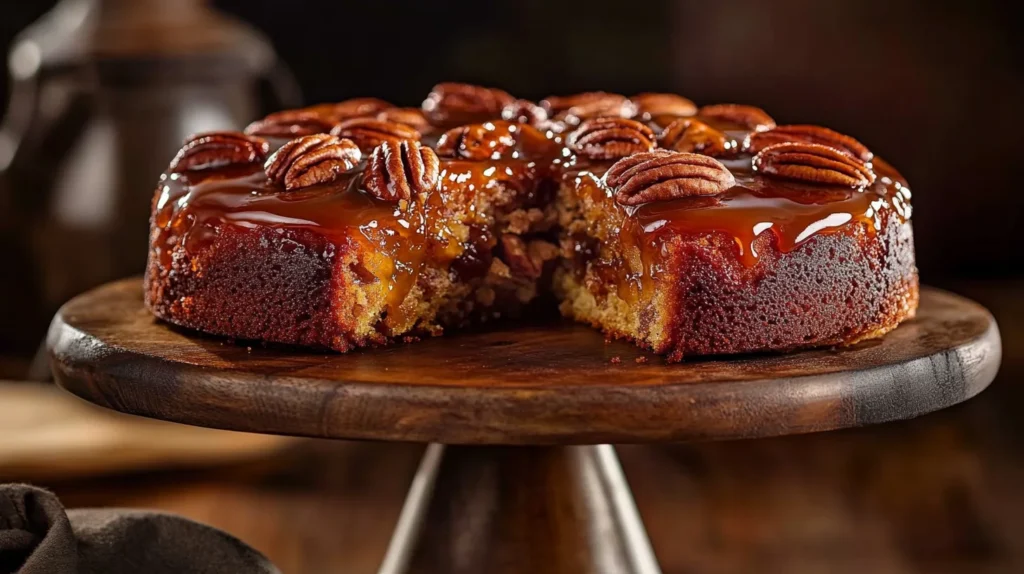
[104, 93]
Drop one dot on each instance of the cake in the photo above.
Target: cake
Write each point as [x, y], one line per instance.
[688, 230]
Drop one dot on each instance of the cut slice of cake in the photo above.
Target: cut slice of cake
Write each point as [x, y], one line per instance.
[315, 246]
[800, 245]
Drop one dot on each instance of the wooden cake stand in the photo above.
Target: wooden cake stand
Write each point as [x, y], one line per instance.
[488, 505]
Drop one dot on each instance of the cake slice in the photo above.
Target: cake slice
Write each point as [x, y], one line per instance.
[799, 245]
[314, 245]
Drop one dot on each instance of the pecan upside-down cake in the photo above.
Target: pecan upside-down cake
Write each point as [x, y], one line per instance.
[689, 230]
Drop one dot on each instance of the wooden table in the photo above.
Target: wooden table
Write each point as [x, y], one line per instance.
[862, 500]
[900, 498]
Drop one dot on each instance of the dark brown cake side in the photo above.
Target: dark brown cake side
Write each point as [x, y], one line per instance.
[835, 289]
[811, 297]
[262, 285]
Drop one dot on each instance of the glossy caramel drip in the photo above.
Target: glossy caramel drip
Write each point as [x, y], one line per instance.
[454, 229]
[790, 212]
[734, 132]
[193, 207]
[192, 214]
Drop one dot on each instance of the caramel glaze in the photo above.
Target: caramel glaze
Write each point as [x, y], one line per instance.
[632, 238]
[629, 257]
[447, 230]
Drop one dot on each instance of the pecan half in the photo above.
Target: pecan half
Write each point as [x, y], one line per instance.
[578, 107]
[813, 163]
[311, 160]
[479, 141]
[649, 105]
[695, 136]
[412, 117]
[219, 149]
[610, 138]
[355, 107]
[757, 141]
[400, 170]
[524, 112]
[661, 175]
[454, 102]
[751, 118]
[359, 107]
[369, 133]
[291, 124]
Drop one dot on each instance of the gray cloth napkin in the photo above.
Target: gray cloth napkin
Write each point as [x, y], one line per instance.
[37, 536]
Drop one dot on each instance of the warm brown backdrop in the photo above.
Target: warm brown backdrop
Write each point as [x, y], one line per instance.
[934, 86]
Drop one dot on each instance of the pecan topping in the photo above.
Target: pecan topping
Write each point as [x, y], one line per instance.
[311, 160]
[751, 118]
[807, 134]
[649, 105]
[453, 102]
[219, 149]
[400, 170]
[661, 175]
[359, 107]
[695, 136]
[479, 141]
[412, 117]
[290, 124]
[610, 138]
[573, 109]
[355, 107]
[368, 133]
[524, 112]
[813, 163]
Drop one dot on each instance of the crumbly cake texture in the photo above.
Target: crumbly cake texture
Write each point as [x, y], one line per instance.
[688, 230]
[834, 289]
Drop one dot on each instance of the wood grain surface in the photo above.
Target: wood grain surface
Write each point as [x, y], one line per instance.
[46, 433]
[938, 494]
[554, 383]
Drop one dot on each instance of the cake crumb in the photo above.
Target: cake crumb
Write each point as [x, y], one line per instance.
[616, 360]
[641, 360]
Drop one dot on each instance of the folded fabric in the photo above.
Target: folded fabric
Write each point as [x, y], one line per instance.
[37, 536]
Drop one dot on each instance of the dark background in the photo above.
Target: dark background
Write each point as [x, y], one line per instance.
[934, 87]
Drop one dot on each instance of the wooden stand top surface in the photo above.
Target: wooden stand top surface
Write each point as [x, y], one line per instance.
[554, 383]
